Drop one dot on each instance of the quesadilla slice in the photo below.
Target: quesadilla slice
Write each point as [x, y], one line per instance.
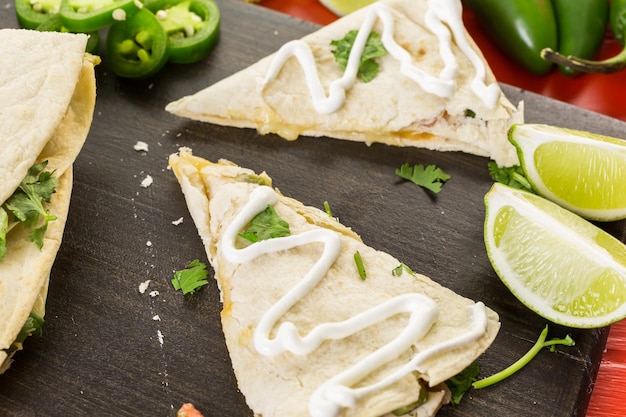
[413, 77]
[47, 85]
[309, 333]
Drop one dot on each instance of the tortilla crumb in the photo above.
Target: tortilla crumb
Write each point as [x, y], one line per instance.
[144, 286]
[147, 182]
[141, 146]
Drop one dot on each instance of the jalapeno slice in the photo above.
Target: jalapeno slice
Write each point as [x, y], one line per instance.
[54, 24]
[137, 47]
[32, 13]
[91, 15]
[192, 27]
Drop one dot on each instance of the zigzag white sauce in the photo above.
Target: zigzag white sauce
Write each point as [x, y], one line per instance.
[336, 393]
[443, 18]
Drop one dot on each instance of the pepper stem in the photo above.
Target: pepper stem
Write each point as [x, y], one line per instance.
[608, 66]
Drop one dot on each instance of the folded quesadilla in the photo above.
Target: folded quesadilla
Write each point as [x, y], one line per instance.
[413, 77]
[47, 91]
[316, 322]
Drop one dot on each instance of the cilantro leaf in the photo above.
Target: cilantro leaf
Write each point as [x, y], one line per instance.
[26, 205]
[36, 235]
[266, 225]
[39, 183]
[32, 327]
[368, 67]
[513, 176]
[190, 279]
[430, 177]
[462, 382]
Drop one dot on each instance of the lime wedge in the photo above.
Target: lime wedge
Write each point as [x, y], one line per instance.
[558, 264]
[344, 7]
[581, 171]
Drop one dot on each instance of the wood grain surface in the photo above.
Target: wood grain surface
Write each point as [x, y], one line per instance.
[110, 350]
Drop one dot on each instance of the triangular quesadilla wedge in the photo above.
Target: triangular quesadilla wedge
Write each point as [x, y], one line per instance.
[306, 332]
[433, 88]
[47, 87]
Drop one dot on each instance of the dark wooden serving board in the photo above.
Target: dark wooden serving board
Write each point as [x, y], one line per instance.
[100, 354]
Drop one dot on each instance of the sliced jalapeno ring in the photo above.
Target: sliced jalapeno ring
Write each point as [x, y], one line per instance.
[90, 15]
[54, 24]
[137, 47]
[192, 27]
[31, 14]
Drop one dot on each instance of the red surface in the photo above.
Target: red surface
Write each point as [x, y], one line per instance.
[600, 93]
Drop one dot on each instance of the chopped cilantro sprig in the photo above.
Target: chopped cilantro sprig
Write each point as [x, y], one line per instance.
[368, 67]
[266, 225]
[429, 177]
[327, 209]
[26, 205]
[32, 327]
[462, 382]
[191, 278]
[358, 260]
[512, 176]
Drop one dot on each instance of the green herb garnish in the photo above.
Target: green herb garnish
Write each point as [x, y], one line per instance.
[524, 360]
[26, 205]
[397, 271]
[423, 397]
[512, 176]
[191, 278]
[327, 209]
[462, 382]
[368, 67]
[469, 113]
[430, 177]
[359, 265]
[266, 225]
[4, 229]
[32, 326]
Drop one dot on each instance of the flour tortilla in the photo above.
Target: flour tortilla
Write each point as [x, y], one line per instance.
[391, 109]
[281, 385]
[47, 87]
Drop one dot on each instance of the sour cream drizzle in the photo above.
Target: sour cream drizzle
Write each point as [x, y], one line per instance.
[336, 393]
[439, 14]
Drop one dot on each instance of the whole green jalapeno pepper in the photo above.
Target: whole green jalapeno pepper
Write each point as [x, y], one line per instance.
[581, 28]
[522, 28]
[617, 22]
